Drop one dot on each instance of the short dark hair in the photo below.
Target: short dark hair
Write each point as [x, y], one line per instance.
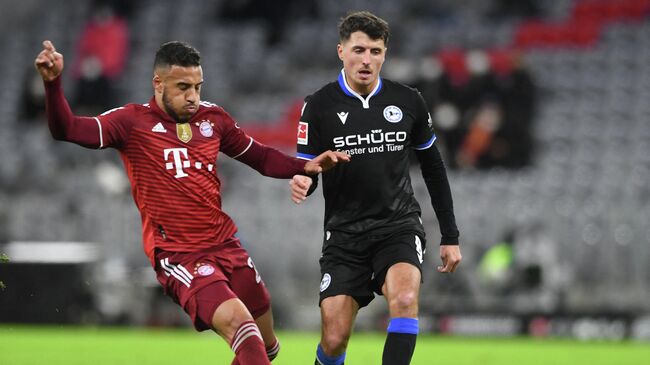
[177, 53]
[364, 21]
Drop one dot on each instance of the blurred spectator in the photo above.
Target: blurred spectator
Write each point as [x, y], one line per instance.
[517, 97]
[101, 58]
[482, 105]
[515, 9]
[496, 267]
[276, 14]
[32, 99]
[525, 262]
[123, 8]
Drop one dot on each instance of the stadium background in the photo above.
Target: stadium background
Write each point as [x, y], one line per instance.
[577, 211]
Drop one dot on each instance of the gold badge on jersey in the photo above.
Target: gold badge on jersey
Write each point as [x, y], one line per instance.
[184, 132]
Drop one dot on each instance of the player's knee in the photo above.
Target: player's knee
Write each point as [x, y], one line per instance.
[335, 342]
[404, 303]
[229, 326]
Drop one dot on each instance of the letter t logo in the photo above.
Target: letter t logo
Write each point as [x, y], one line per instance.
[178, 163]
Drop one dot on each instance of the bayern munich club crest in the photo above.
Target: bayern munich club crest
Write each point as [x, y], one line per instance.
[206, 128]
[203, 269]
[393, 114]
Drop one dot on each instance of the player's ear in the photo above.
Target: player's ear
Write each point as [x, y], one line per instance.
[339, 50]
[157, 83]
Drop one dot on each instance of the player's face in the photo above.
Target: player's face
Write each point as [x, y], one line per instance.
[178, 90]
[362, 60]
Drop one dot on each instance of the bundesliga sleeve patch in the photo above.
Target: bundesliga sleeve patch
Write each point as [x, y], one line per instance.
[303, 133]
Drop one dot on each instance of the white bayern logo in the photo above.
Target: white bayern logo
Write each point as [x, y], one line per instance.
[393, 114]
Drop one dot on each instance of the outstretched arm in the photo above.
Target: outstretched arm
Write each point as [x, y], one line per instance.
[273, 163]
[63, 124]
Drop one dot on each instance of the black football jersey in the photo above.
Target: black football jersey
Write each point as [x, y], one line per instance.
[372, 193]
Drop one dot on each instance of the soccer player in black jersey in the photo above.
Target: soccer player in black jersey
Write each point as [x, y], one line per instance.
[374, 240]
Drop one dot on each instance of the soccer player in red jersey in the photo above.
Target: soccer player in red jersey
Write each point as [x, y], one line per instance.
[169, 147]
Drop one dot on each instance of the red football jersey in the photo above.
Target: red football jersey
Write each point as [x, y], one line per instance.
[172, 169]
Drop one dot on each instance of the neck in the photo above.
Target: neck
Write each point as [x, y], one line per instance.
[161, 106]
[159, 102]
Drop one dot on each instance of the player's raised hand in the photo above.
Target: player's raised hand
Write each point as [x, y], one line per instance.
[299, 186]
[325, 161]
[49, 62]
[450, 255]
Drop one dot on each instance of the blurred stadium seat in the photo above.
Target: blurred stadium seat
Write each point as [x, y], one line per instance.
[588, 185]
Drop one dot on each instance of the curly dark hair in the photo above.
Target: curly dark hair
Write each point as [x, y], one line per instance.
[364, 21]
[177, 53]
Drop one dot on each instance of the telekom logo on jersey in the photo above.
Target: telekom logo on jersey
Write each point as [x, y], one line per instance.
[177, 159]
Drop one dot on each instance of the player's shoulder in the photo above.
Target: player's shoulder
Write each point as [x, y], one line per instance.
[327, 92]
[402, 94]
[399, 88]
[126, 109]
[210, 107]
[215, 113]
[211, 110]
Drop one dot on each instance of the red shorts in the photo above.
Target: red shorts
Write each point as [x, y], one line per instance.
[200, 281]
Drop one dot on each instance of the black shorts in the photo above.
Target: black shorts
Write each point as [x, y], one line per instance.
[358, 267]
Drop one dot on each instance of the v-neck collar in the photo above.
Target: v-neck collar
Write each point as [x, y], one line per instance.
[348, 90]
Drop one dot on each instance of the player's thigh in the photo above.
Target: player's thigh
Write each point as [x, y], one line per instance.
[406, 248]
[228, 317]
[346, 272]
[338, 314]
[194, 281]
[217, 307]
[248, 285]
[402, 290]
[402, 277]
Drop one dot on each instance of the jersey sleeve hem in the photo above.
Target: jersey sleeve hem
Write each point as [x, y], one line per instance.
[101, 136]
[305, 156]
[426, 144]
[250, 143]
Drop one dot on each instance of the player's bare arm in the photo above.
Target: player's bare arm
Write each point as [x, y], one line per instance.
[49, 62]
[450, 255]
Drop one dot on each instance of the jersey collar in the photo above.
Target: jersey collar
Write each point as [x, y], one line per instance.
[349, 92]
[161, 113]
[166, 117]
